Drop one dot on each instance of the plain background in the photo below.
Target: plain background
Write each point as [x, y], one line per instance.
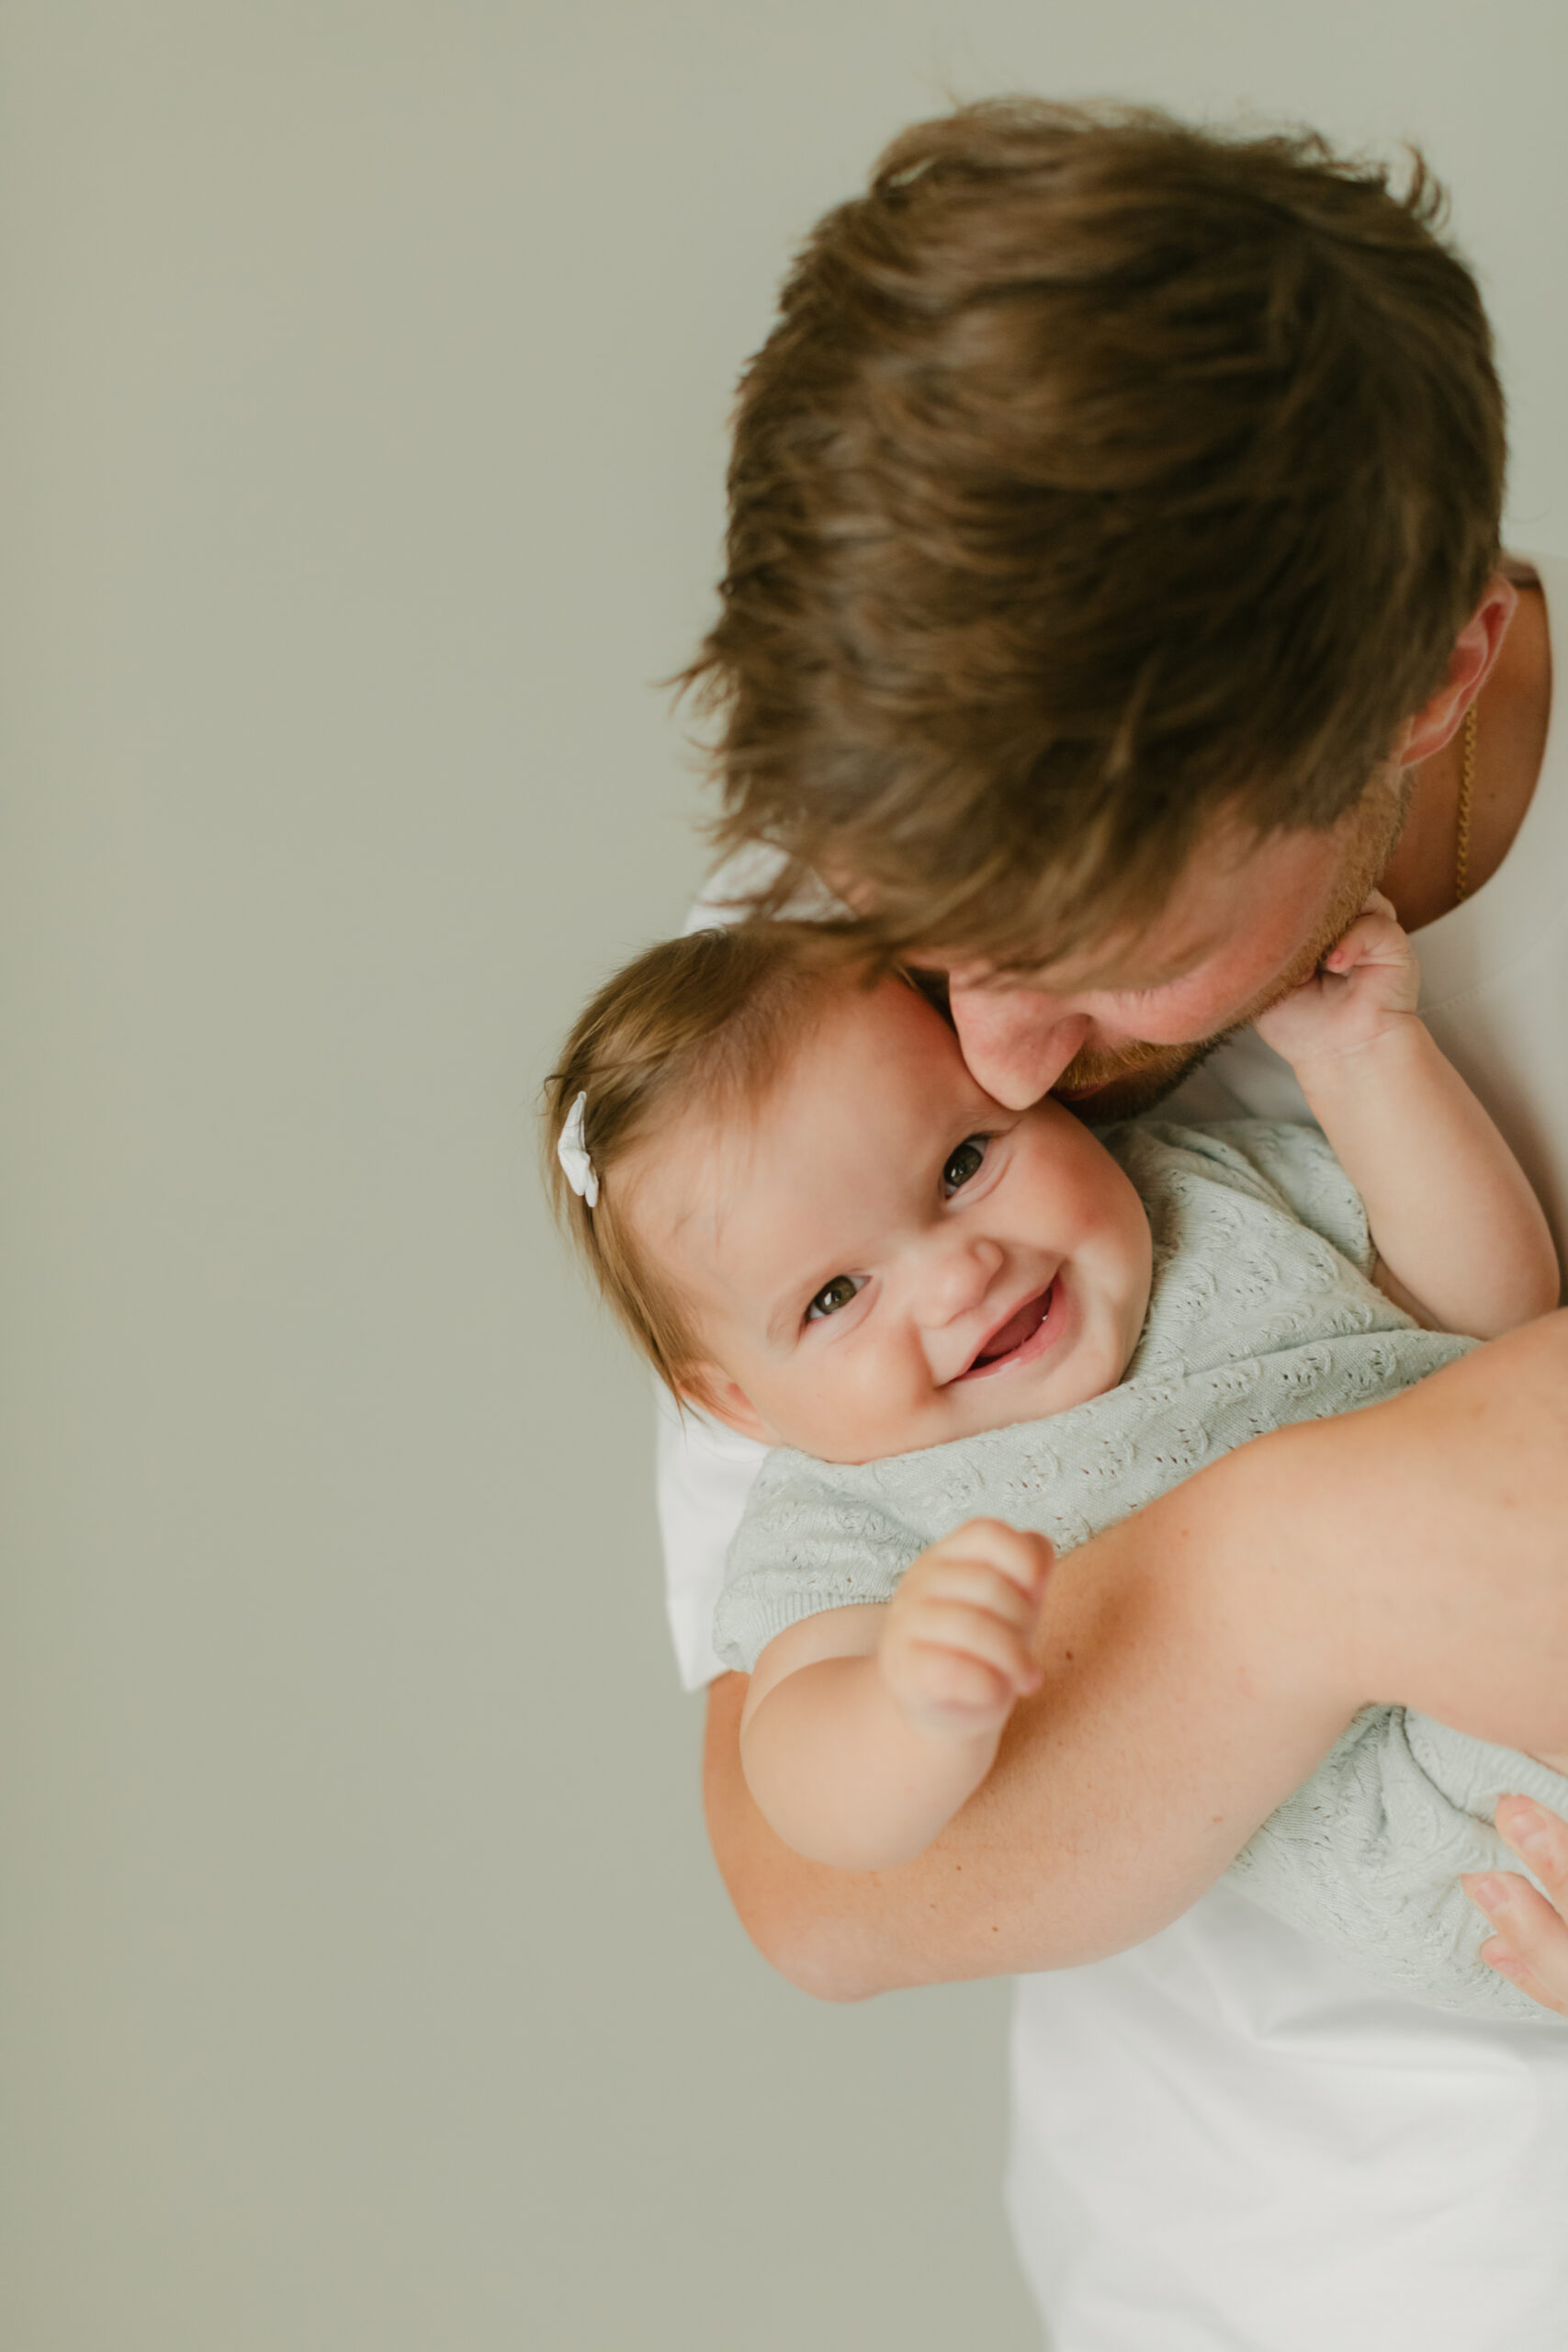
[366, 1984]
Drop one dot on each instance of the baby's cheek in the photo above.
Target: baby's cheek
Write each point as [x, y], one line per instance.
[1123, 1221]
[877, 1396]
[832, 1407]
[1118, 1252]
[873, 1408]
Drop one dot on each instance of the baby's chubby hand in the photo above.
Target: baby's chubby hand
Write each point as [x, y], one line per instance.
[1366, 988]
[955, 1653]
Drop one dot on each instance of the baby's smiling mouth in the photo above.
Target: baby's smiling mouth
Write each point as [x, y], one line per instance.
[1009, 1342]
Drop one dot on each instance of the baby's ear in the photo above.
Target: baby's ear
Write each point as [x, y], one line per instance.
[713, 1391]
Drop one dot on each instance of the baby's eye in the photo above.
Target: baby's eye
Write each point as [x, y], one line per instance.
[964, 1162]
[834, 1294]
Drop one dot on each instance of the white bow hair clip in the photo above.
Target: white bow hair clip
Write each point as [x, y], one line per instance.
[572, 1153]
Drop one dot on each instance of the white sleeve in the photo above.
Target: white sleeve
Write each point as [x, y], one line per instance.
[704, 1476]
[704, 1472]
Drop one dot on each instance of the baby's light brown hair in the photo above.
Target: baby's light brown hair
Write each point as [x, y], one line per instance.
[698, 1026]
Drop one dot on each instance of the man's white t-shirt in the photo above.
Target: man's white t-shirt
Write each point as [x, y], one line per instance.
[1224, 2139]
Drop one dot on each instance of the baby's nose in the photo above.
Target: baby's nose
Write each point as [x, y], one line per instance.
[955, 1278]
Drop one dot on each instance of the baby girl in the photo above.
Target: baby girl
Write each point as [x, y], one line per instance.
[967, 1329]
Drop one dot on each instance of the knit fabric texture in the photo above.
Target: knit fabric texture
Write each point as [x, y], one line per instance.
[1261, 1313]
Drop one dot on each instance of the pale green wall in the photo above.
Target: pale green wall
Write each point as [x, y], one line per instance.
[367, 1987]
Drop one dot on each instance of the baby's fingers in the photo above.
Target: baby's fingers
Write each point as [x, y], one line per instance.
[973, 1583]
[956, 1649]
[1375, 937]
[947, 1690]
[953, 1626]
[1023, 1558]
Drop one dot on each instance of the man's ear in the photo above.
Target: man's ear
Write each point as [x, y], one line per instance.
[1476, 647]
[713, 1391]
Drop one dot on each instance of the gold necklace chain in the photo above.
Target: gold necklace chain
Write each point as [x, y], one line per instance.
[1466, 786]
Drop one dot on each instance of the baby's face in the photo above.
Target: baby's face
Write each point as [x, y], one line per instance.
[882, 1257]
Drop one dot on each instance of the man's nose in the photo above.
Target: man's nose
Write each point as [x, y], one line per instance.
[953, 1277]
[1017, 1042]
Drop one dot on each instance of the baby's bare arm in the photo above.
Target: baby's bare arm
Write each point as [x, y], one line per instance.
[1461, 1241]
[864, 1729]
[1164, 1727]
[1451, 1212]
[1197, 1663]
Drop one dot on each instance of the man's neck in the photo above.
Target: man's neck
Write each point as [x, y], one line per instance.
[1512, 714]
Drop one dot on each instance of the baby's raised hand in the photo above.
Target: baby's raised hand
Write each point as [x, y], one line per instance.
[955, 1653]
[1366, 987]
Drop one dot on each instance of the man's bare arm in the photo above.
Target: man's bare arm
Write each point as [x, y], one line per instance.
[1199, 1661]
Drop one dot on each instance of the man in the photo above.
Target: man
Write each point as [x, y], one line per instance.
[1115, 596]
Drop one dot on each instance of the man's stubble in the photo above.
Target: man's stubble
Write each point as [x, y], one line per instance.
[1137, 1077]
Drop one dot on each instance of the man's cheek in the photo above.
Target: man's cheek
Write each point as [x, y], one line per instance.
[1169, 1017]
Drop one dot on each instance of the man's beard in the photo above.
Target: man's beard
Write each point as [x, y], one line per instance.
[1100, 1086]
[1103, 1087]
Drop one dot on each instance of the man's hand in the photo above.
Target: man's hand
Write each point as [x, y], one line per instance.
[1531, 1943]
[957, 1652]
[1368, 985]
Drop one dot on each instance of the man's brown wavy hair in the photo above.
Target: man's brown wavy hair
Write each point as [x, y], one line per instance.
[1101, 475]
